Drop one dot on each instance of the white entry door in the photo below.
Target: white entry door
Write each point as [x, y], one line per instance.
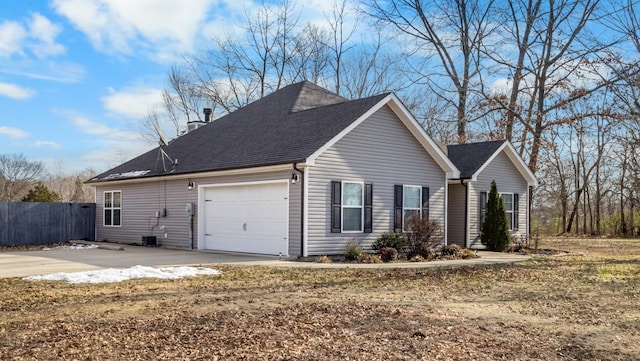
[251, 218]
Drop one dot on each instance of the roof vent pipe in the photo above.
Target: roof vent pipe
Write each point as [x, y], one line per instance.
[207, 114]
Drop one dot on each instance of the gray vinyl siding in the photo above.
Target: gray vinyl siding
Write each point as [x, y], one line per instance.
[141, 200]
[509, 180]
[455, 217]
[381, 151]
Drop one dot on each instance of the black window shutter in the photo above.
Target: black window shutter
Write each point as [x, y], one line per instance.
[368, 208]
[483, 208]
[336, 206]
[397, 208]
[425, 203]
[516, 210]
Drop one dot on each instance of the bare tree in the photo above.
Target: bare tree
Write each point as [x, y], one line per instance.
[453, 32]
[17, 175]
[339, 42]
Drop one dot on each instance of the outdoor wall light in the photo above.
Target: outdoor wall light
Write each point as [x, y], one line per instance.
[295, 178]
[191, 184]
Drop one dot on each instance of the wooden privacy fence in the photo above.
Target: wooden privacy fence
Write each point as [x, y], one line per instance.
[33, 223]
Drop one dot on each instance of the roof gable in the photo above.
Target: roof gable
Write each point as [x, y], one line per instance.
[472, 158]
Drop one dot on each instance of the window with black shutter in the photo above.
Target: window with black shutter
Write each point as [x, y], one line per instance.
[409, 202]
[516, 210]
[483, 209]
[336, 206]
[351, 207]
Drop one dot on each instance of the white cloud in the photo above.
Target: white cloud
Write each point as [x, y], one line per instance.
[94, 128]
[44, 32]
[12, 36]
[62, 72]
[38, 36]
[46, 143]
[133, 102]
[165, 27]
[13, 132]
[14, 91]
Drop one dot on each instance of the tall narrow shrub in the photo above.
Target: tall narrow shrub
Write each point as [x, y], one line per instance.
[495, 228]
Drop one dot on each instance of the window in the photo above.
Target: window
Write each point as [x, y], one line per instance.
[411, 205]
[507, 200]
[511, 206]
[351, 207]
[409, 202]
[112, 208]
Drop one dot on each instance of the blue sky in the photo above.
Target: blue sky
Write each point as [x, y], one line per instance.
[77, 75]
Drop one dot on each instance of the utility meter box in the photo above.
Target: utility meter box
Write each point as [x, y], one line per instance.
[189, 207]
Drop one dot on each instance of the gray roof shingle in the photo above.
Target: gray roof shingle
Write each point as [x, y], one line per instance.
[468, 158]
[286, 126]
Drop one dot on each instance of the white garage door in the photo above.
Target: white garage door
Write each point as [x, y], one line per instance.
[247, 218]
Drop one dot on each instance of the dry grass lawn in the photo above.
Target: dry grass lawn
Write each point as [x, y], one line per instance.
[579, 307]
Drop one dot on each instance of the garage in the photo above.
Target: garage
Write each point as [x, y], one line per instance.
[248, 218]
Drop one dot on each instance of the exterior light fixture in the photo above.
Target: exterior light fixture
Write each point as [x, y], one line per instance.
[295, 178]
[191, 184]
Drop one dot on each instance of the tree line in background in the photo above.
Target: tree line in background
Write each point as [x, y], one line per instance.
[26, 180]
[559, 79]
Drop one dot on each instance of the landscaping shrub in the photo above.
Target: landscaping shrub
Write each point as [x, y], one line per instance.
[369, 258]
[468, 253]
[424, 236]
[417, 258]
[390, 240]
[352, 250]
[323, 259]
[388, 254]
[452, 250]
[519, 244]
[495, 228]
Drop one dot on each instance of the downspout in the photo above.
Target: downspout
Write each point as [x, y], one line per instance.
[466, 211]
[301, 207]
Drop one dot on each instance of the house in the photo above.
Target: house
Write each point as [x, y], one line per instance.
[479, 164]
[299, 172]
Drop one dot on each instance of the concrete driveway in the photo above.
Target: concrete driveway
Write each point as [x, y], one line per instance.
[32, 263]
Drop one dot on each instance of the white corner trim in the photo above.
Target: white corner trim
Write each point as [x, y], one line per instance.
[305, 214]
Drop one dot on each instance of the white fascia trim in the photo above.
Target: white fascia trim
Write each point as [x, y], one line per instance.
[515, 159]
[265, 169]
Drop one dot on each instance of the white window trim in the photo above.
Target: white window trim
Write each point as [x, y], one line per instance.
[419, 209]
[508, 212]
[343, 206]
[111, 208]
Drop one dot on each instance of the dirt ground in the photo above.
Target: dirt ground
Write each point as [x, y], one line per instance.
[584, 306]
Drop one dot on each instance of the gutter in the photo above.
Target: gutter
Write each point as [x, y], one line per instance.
[295, 167]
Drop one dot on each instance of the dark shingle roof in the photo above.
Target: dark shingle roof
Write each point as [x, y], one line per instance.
[468, 158]
[284, 127]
